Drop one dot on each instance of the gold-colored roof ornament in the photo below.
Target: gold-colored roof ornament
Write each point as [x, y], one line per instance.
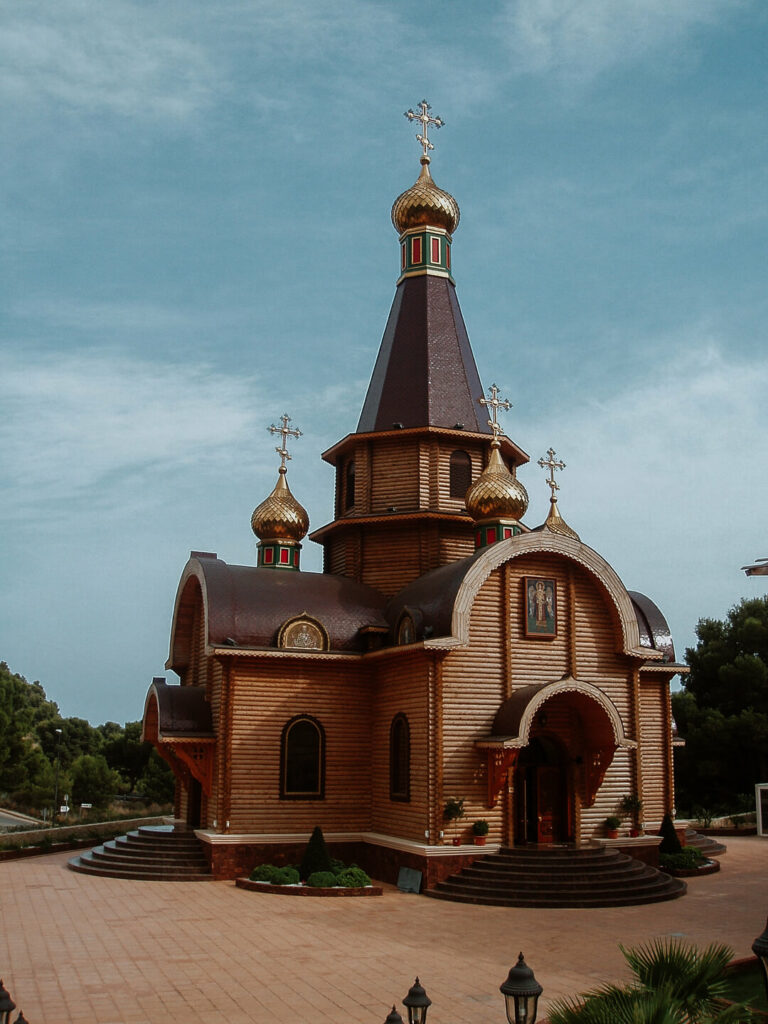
[496, 494]
[280, 516]
[554, 521]
[424, 204]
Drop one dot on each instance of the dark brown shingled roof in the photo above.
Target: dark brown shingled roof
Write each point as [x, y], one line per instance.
[247, 606]
[429, 599]
[654, 631]
[425, 373]
[182, 711]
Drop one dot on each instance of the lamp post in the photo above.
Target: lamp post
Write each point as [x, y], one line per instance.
[6, 1004]
[417, 1002]
[521, 993]
[56, 783]
[760, 949]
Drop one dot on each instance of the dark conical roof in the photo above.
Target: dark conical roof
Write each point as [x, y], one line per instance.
[425, 373]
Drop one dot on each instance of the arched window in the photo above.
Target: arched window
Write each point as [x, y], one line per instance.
[460, 474]
[349, 484]
[302, 759]
[399, 759]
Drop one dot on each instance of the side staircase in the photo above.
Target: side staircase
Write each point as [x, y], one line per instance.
[560, 877]
[168, 853]
[705, 844]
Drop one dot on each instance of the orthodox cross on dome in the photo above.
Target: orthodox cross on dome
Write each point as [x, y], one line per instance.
[551, 463]
[426, 120]
[494, 403]
[285, 432]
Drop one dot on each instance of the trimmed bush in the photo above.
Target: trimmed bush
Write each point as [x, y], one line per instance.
[265, 873]
[687, 858]
[353, 878]
[337, 865]
[669, 840]
[322, 880]
[316, 856]
[287, 876]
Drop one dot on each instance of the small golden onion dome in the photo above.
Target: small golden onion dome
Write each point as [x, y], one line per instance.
[556, 524]
[280, 516]
[496, 494]
[425, 205]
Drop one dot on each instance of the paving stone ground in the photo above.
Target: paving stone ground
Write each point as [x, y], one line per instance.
[86, 950]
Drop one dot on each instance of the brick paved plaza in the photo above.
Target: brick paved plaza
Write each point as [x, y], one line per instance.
[87, 950]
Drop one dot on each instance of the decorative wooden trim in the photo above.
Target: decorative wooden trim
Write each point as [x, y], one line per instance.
[499, 763]
[552, 543]
[198, 759]
[225, 780]
[638, 757]
[436, 789]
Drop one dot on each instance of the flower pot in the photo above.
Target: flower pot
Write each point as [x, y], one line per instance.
[612, 833]
[479, 840]
[635, 832]
[456, 841]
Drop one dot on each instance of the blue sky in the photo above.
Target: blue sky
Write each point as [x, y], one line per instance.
[196, 238]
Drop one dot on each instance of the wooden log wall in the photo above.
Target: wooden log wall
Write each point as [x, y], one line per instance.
[265, 696]
[403, 686]
[654, 736]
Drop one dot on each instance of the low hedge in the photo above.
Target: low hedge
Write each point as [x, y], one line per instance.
[689, 857]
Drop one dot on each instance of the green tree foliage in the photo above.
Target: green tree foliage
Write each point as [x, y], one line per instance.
[124, 751]
[93, 781]
[670, 843]
[316, 856]
[723, 711]
[673, 983]
[157, 782]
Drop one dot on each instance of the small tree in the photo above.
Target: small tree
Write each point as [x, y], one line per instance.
[316, 856]
[669, 840]
[93, 781]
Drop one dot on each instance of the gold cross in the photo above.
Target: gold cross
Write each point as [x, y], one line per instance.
[426, 121]
[495, 403]
[552, 464]
[285, 432]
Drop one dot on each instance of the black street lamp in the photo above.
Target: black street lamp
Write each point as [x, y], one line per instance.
[56, 783]
[760, 949]
[417, 1002]
[521, 993]
[394, 1017]
[6, 1004]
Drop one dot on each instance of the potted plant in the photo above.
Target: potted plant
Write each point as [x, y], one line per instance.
[480, 831]
[633, 805]
[453, 810]
[612, 823]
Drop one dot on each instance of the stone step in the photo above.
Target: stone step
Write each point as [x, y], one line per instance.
[115, 856]
[151, 852]
[708, 846]
[87, 866]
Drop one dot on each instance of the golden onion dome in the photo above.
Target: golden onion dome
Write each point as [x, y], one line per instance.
[556, 524]
[425, 205]
[280, 516]
[496, 494]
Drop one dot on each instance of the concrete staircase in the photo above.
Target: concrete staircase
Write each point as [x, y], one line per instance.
[706, 844]
[168, 853]
[559, 877]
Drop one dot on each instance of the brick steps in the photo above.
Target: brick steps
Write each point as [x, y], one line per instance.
[159, 852]
[708, 846]
[593, 877]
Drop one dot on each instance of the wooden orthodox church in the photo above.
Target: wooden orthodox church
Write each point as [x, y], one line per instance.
[448, 650]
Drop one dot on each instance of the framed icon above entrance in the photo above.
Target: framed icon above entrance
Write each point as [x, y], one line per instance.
[540, 606]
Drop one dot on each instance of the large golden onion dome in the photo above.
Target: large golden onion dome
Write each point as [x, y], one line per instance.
[496, 494]
[425, 205]
[280, 516]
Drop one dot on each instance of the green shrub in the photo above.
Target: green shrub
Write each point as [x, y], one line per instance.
[669, 840]
[353, 877]
[316, 856]
[287, 876]
[337, 865]
[322, 880]
[265, 873]
[612, 822]
[687, 858]
[480, 827]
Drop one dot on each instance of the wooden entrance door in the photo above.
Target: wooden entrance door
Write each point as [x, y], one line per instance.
[549, 805]
[194, 801]
[541, 794]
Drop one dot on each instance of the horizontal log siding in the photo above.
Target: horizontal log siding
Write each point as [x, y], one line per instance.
[403, 687]
[395, 475]
[618, 782]
[392, 559]
[267, 695]
[653, 748]
[473, 689]
[456, 542]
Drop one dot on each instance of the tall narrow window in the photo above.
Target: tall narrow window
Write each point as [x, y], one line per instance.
[349, 485]
[302, 759]
[399, 759]
[460, 474]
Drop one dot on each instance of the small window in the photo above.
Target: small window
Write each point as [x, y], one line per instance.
[349, 485]
[302, 759]
[460, 474]
[406, 633]
[399, 759]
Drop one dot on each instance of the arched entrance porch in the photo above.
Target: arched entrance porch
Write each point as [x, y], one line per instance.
[547, 756]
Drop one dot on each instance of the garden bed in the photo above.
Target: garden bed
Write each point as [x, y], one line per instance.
[707, 867]
[308, 890]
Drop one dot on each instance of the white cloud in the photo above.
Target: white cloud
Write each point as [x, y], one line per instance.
[111, 57]
[580, 39]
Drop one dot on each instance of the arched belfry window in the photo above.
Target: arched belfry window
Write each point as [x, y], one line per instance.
[349, 484]
[460, 474]
[399, 759]
[302, 759]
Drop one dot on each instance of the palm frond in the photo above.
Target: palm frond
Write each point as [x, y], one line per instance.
[696, 976]
[613, 1005]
